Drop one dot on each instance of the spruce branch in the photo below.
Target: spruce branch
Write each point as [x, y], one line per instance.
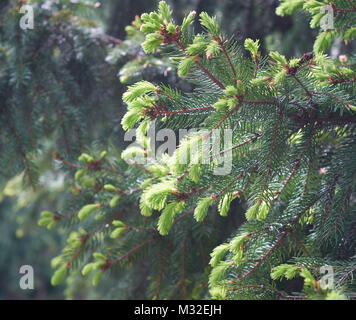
[341, 209]
[299, 243]
[345, 276]
[184, 110]
[223, 48]
[295, 168]
[309, 94]
[58, 157]
[334, 96]
[292, 123]
[227, 116]
[351, 4]
[202, 68]
[270, 157]
[20, 147]
[265, 256]
[109, 264]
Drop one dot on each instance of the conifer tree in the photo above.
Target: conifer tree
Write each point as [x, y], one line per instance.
[292, 156]
[46, 118]
[155, 220]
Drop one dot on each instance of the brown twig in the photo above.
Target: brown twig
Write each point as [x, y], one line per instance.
[264, 257]
[168, 113]
[302, 85]
[129, 253]
[299, 243]
[202, 68]
[223, 48]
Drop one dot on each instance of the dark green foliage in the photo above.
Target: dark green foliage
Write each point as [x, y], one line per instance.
[165, 229]
[39, 79]
[295, 128]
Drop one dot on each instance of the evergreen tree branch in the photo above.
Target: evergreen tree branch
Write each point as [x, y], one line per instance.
[109, 264]
[202, 68]
[270, 157]
[223, 48]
